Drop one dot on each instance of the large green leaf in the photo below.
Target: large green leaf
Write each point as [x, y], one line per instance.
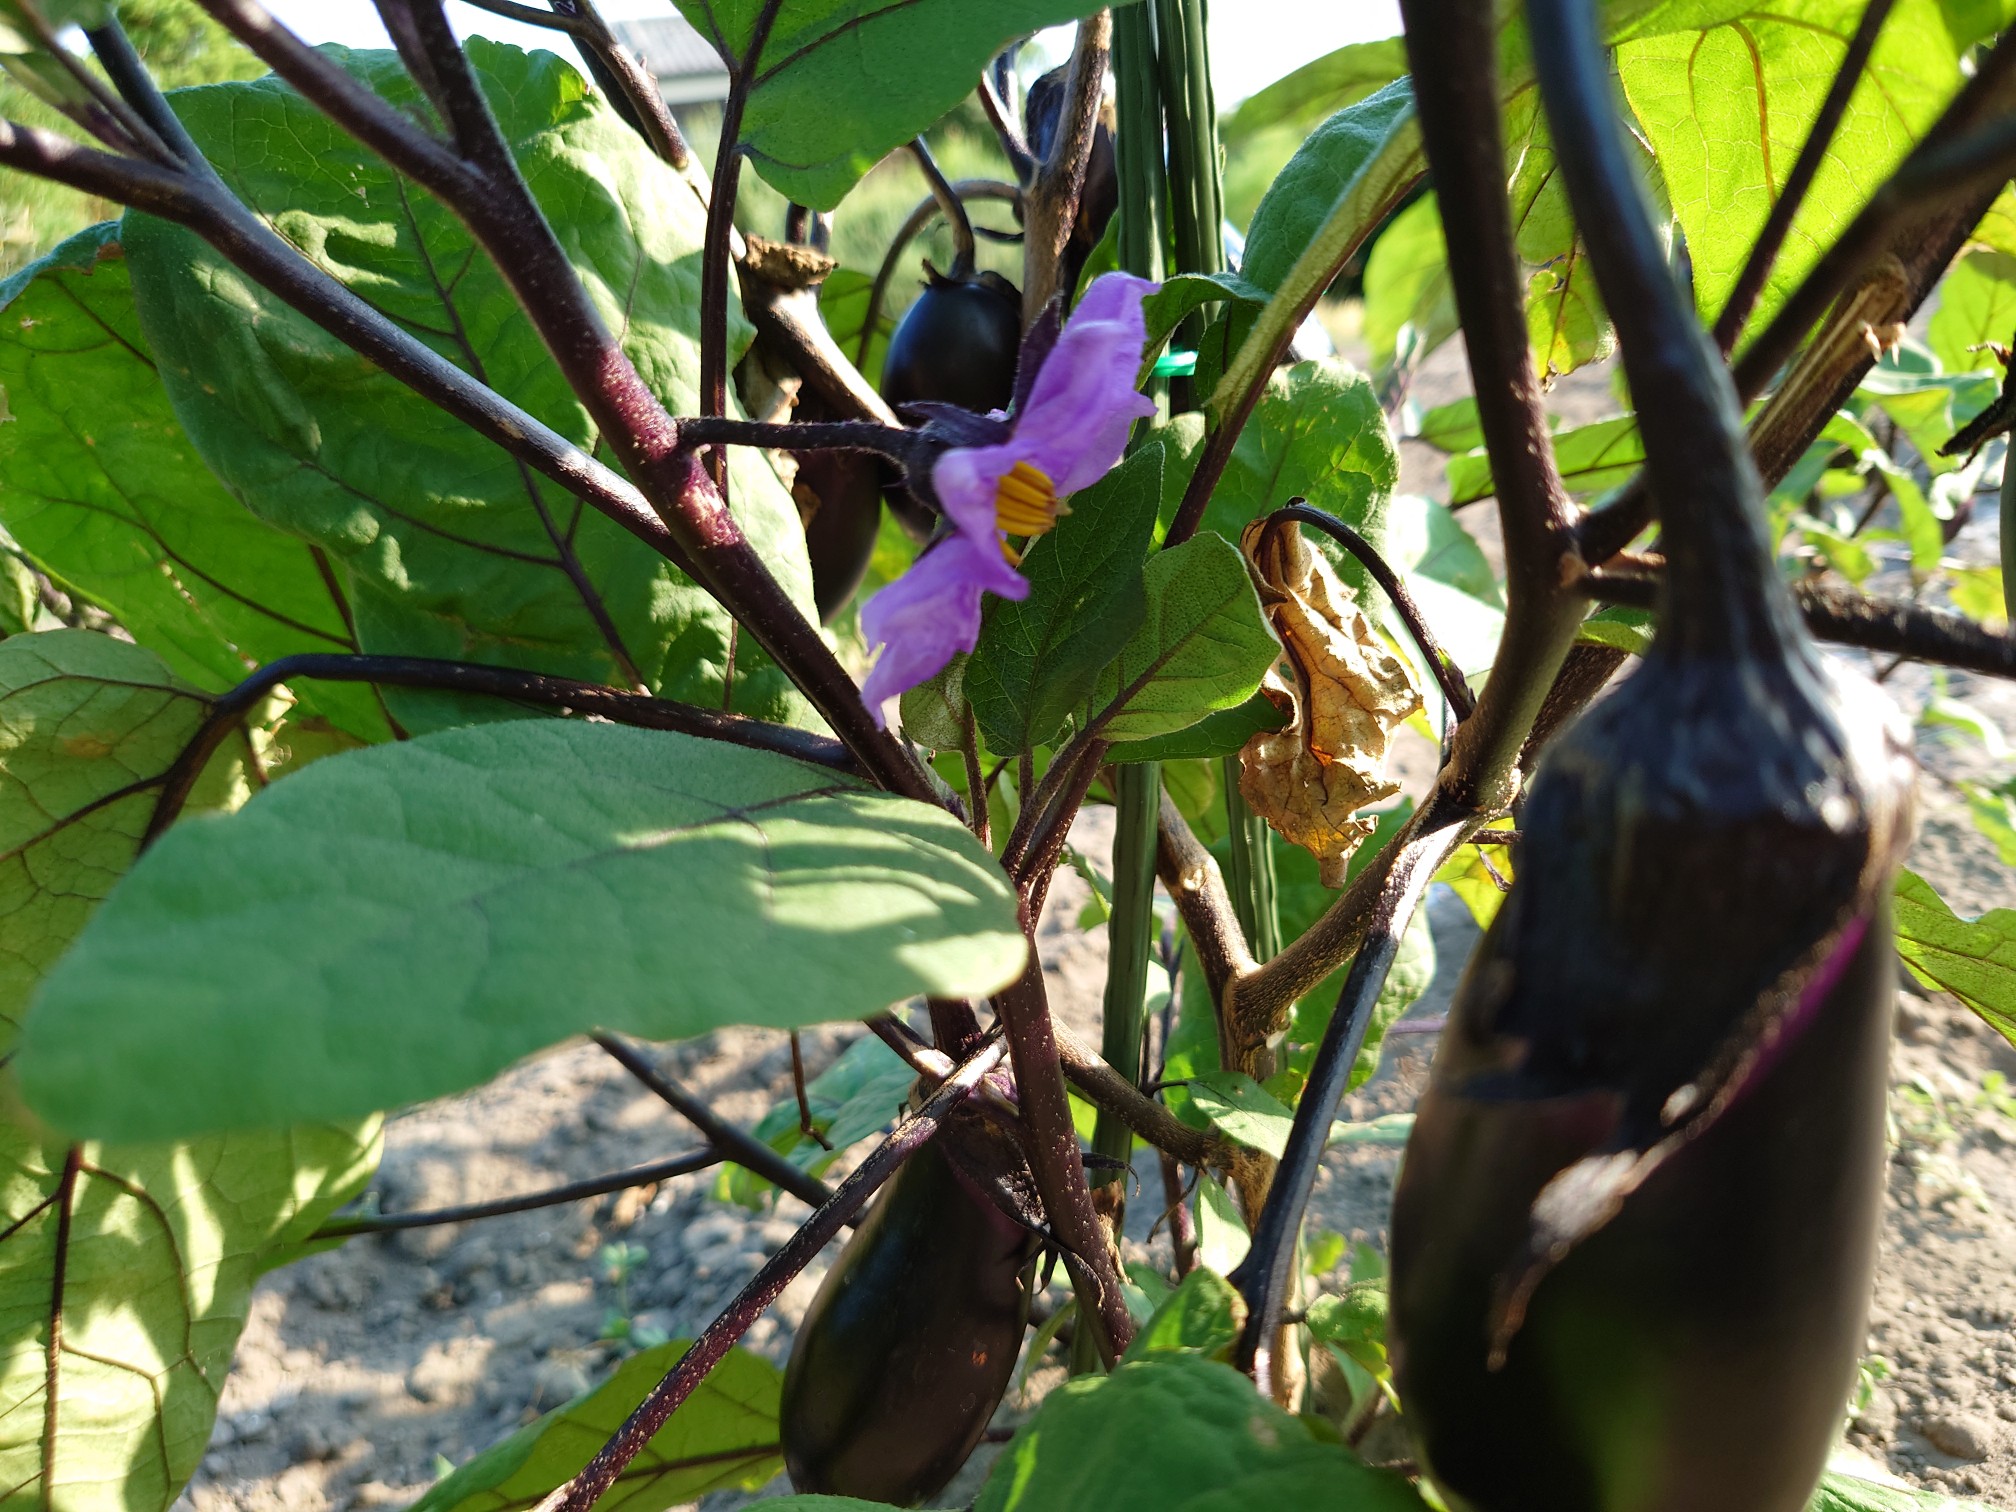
[1317, 432]
[139, 1266]
[1407, 288]
[1725, 93]
[1301, 101]
[106, 494]
[1974, 959]
[1217, 1446]
[722, 1438]
[1037, 657]
[1202, 645]
[1341, 183]
[1564, 313]
[1590, 457]
[416, 917]
[839, 83]
[88, 727]
[451, 547]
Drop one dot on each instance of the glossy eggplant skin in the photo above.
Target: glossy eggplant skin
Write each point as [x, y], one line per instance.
[957, 344]
[910, 1343]
[1708, 835]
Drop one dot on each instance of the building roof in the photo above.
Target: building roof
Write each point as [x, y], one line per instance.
[684, 62]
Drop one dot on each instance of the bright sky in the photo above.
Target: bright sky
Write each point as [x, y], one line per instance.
[1253, 42]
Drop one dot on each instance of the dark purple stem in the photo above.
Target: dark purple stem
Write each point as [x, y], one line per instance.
[573, 1191]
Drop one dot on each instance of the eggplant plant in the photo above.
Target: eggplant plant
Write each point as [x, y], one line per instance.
[447, 611]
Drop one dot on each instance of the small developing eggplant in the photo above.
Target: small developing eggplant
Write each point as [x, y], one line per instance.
[1099, 197]
[957, 344]
[1634, 1233]
[911, 1341]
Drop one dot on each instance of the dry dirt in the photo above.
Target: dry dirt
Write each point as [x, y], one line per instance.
[367, 1370]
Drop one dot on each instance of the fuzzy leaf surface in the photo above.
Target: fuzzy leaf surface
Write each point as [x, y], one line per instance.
[109, 497]
[1202, 645]
[1037, 657]
[451, 547]
[722, 1438]
[420, 916]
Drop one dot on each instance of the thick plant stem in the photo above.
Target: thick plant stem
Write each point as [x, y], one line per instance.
[601, 1472]
[1059, 1168]
[574, 1191]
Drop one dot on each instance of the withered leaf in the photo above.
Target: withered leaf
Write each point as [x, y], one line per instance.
[1345, 696]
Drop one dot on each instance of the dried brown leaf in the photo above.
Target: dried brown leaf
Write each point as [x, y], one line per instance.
[1345, 696]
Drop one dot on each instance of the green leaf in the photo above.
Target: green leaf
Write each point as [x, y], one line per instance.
[88, 727]
[859, 1094]
[1620, 628]
[1591, 457]
[1725, 93]
[1217, 1446]
[1203, 1316]
[1450, 578]
[163, 1246]
[840, 83]
[1452, 427]
[1303, 100]
[1318, 432]
[1241, 1109]
[934, 712]
[1202, 645]
[1974, 959]
[450, 547]
[1220, 734]
[843, 305]
[1407, 286]
[1038, 657]
[1222, 1238]
[722, 1438]
[1851, 1493]
[1466, 875]
[1354, 1322]
[20, 596]
[1977, 306]
[1341, 183]
[419, 916]
[1565, 321]
[108, 497]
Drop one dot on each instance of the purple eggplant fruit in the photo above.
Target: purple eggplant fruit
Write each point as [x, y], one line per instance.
[911, 1341]
[1634, 1232]
[957, 344]
[839, 498]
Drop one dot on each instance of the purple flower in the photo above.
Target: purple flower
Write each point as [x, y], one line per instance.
[1073, 408]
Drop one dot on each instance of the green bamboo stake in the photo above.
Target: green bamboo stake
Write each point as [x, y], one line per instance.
[1130, 929]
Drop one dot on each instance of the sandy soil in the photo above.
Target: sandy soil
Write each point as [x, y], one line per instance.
[365, 1371]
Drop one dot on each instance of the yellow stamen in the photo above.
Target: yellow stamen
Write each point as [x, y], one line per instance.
[1025, 502]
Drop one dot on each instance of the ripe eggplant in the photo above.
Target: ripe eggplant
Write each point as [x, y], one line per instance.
[957, 344]
[1634, 1232]
[911, 1341]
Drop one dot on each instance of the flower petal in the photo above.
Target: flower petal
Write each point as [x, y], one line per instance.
[931, 614]
[1084, 401]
